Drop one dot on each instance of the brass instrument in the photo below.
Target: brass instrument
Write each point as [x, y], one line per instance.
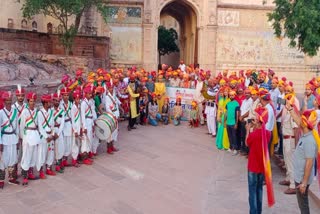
[204, 92]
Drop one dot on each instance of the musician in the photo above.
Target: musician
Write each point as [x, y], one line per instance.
[88, 116]
[76, 128]
[200, 87]
[46, 145]
[112, 104]
[58, 120]
[66, 105]
[30, 138]
[19, 105]
[9, 140]
[132, 89]
[211, 106]
[98, 100]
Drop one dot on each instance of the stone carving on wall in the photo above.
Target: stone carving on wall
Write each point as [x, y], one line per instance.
[147, 16]
[34, 26]
[10, 23]
[124, 15]
[212, 12]
[228, 18]
[24, 24]
[49, 27]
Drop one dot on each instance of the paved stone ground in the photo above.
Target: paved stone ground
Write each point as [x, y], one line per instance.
[171, 170]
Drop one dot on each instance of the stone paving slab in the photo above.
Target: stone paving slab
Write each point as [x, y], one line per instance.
[166, 169]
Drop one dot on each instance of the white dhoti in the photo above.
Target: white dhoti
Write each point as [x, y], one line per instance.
[50, 153]
[288, 150]
[86, 142]
[210, 111]
[29, 155]
[75, 147]
[67, 145]
[95, 144]
[43, 154]
[9, 155]
[200, 107]
[59, 148]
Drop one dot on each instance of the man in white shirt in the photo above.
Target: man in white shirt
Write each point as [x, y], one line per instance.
[274, 91]
[265, 99]
[182, 66]
[244, 115]
[8, 140]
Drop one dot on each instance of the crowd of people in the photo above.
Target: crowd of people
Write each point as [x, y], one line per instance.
[251, 113]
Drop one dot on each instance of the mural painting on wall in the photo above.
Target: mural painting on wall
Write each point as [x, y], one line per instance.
[124, 15]
[126, 44]
[236, 46]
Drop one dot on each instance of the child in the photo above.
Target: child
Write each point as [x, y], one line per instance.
[153, 115]
[143, 102]
[177, 112]
[165, 111]
[194, 121]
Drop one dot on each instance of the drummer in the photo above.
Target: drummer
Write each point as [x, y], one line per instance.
[112, 104]
[98, 100]
[88, 116]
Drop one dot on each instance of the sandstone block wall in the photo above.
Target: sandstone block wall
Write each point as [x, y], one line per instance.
[26, 41]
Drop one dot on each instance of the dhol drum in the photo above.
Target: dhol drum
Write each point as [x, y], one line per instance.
[106, 124]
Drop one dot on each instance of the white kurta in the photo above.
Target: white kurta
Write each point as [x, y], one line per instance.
[30, 138]
[88, 116]
[19, 108]
[76, 128]
[45, 149]
[58, 120]
[9, 137]
[67, 129]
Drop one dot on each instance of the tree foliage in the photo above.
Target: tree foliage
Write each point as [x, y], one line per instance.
[299, 21]
[67, 12]
[167, 41]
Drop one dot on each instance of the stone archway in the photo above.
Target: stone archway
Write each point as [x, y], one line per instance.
[186, 16]
[203, 21]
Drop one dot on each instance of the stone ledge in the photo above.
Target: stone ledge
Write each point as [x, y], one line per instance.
[246, 7]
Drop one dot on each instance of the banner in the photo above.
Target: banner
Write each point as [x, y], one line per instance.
[187, 95]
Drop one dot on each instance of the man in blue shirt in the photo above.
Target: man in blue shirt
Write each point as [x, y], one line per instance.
[308, 98]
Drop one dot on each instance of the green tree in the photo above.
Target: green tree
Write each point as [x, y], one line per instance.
[167, 41]
[299, 21]
[67, 12]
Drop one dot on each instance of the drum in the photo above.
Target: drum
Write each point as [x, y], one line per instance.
[106, 124]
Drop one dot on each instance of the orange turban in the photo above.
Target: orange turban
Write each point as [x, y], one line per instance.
[232, 92]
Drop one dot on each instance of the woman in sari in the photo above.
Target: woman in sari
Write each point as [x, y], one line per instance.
[222, 141]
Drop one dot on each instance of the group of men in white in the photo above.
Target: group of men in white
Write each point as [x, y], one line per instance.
[40, 137]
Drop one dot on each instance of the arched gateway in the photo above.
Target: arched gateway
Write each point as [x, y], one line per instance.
[186, 17]
[197, 34]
